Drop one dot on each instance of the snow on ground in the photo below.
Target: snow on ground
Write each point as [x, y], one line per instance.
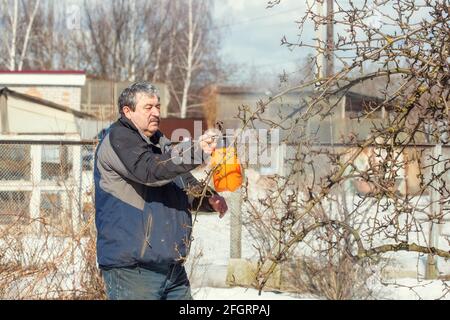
[413, 289]
[400, 289]
[212, 250]
[238, 293]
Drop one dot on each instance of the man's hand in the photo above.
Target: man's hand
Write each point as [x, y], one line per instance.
[219, 204]
[208, 141]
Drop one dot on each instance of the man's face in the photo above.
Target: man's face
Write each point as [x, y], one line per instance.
[146, 116]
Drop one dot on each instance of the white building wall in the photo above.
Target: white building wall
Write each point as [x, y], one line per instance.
[60, 87]
[33, 118]
[66, 96]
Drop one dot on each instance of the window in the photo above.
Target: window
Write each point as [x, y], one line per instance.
[56, 163]
[14, 206]
[15, 161]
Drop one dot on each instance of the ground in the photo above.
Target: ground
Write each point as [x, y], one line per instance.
[401, 289]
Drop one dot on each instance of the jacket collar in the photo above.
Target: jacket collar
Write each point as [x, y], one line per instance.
[154, 139]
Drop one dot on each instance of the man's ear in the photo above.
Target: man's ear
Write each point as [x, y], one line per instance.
[127, 112]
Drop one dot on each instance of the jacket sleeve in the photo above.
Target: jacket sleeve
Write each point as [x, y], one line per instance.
[144, 166]
[204, 205]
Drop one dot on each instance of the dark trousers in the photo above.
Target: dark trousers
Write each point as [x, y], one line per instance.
[139, 283]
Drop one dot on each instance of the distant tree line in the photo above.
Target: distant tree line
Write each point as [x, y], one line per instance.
[174, 42]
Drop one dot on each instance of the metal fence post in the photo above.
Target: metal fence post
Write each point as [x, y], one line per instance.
[235, 205]
[432, 270]
[76, 197]
[35, 200]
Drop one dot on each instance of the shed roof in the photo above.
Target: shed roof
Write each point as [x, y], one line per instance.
[43, 78]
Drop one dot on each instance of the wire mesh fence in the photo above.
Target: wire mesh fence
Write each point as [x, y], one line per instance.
[47, 235]
[55, 177]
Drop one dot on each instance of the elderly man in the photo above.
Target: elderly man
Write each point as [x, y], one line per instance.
[143, 214]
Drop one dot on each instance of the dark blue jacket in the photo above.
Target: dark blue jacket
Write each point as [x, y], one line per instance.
[142, 210]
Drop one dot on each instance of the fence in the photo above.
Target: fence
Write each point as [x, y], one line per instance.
[46, 220]
[49, 181]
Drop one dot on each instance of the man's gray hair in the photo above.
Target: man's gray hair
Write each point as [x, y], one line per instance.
[128, 95]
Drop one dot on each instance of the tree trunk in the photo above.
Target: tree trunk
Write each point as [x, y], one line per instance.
[27, 35]
[330, 39]
[187, 79]
[12, 49]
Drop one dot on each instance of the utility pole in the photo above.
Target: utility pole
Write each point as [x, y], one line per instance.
[431, 270]
[436, 204]
[329, 54]
[51, 14]
[330, 39]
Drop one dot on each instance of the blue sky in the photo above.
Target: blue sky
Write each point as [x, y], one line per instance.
[251, 33]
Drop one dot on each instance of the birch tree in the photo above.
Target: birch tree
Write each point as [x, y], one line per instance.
[14, 22]
[196, 51]
[27, 34]
[52, 48]
[190, 55]
[173, 42]
[19, 21]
